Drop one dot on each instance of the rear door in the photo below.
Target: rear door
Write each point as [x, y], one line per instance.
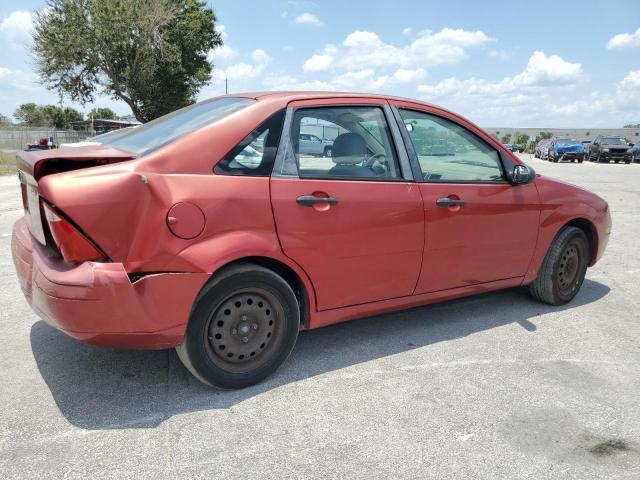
[353, 221]
[478, 227]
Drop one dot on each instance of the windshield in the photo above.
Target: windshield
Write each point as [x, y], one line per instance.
[166, 129]
[566, 141]
[613, 141]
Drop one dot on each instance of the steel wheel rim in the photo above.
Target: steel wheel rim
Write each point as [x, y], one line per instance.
[244, 329]
[569, 268]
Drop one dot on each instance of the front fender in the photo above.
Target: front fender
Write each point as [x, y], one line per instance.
[562, 203]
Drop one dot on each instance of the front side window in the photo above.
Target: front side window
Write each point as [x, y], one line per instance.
[255, 154]
[448, 152]
[164, 130]
[345, 142]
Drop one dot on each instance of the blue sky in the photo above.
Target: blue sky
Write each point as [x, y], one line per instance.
[500, 63]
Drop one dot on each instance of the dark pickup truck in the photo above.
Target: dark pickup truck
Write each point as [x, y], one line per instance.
[604, 149]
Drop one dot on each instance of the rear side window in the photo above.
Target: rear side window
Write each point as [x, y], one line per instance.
[255, 154]
[164, 130]
[448, 152]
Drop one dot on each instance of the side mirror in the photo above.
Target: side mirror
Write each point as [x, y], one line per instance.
[522, 174]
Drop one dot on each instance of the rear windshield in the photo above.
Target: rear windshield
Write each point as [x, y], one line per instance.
[161, 131]
[613, 141]
[566, 141]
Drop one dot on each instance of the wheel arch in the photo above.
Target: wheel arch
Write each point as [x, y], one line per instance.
[591, 233]
[293, 278]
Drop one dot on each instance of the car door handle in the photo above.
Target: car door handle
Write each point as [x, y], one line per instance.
[450, 202]
[311, 200]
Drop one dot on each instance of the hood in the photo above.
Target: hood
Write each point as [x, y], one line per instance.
[39, 163]
[572, 147]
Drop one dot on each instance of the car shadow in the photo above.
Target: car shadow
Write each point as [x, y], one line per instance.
[98, 388]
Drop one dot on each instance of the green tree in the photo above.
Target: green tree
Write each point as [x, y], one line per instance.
[506, 138]
[4, 120]
[152, 54]
[72, 118]
[103, 113]
[522, 138]
[545, 135]
[31, 115]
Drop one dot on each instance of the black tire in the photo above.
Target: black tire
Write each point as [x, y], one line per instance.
[327, 151]
[627, 162]
[563, 268]
[243, 326]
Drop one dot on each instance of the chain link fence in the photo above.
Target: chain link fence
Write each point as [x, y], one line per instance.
[17, 138]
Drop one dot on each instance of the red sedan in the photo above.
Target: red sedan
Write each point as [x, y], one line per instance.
[212, 231]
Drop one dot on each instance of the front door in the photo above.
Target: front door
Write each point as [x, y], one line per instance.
[351, 221]
[478, 227]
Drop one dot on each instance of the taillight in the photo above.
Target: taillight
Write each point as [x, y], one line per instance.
[23, 191]
[72, 244]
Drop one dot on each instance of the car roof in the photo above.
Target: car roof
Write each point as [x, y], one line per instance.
[304, 95]
[291, 96]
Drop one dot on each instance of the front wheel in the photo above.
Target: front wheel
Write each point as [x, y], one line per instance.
[243, 326]
[327, 151]
[563, 268]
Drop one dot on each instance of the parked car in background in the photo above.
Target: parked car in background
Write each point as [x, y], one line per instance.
[635, 153]
[162, 238]
[585, 144]
[607, 148]
[544, 152]
[512, 147]
[566, 149]
[314, 145]
[539, 146]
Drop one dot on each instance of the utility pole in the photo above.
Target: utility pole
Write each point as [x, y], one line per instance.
[226, 87]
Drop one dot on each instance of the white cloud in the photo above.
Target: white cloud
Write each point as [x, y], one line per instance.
[244, 70]
[541, 71]
[18, 79]
[260, 57]
[308, 19]
[360, 80]
[552, 70]
[500, 54]
[364, 49]
[17, 27]
[631, 82]
[223, 53]
[625, 40]
[317, 62]
[407, 31]
[288, 82]
[533, 98]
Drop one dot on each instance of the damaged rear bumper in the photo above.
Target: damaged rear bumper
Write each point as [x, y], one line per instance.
[98, 303]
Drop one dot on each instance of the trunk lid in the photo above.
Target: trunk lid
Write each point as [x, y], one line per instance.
[39, 163]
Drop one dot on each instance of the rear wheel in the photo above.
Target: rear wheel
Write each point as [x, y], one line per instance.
[563, 268]
[243, 326]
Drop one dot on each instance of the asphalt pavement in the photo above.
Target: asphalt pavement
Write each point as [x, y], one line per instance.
[493, 386]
